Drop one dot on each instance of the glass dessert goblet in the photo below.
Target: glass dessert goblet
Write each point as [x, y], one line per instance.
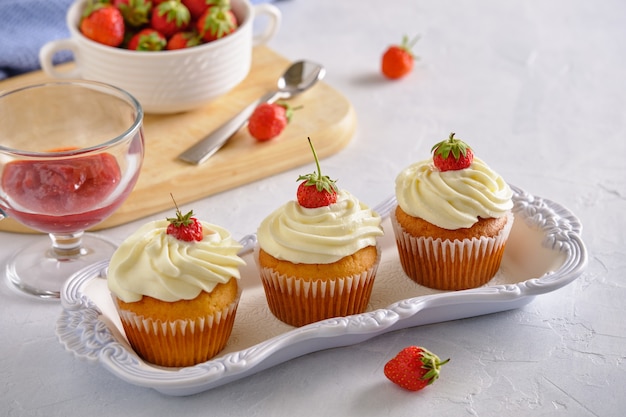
[70, 154]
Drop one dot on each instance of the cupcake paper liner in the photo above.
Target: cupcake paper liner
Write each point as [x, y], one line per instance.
[451, 264]
[298, 301]
[179, 342]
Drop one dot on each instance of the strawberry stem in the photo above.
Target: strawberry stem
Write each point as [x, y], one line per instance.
[174, 200]
[317, 162]
[321, 182]
[409, 44]
[288, 109]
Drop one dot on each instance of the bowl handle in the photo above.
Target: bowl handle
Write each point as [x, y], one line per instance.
[47, 52]
[272, 26]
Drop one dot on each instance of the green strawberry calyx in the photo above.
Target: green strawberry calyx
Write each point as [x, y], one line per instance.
[174, 12]
[136, 12]
[180, 219]
[451, 145]
[433, 364]
[289, 109]
[150, 41]
[91, 6]
[218, 22]
[321, 182]
[219, 3]
[408, 44]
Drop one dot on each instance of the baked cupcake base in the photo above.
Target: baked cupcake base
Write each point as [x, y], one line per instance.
[176, 342]
[303, 300]
[451, 264]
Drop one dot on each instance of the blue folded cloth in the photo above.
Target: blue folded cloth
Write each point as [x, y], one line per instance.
[25, 26]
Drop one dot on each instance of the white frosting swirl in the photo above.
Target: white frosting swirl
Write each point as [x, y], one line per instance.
[320, 235]
[452, 199]
[151, 262]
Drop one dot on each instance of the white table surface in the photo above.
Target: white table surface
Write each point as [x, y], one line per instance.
[538, 89]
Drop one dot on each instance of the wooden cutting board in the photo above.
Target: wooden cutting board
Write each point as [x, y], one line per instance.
[326, 116]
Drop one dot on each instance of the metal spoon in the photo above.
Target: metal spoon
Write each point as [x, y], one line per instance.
[300, 76]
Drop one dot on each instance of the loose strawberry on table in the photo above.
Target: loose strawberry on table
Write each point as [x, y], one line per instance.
[452, 154]
[269, 119]
[316, 190]
[414, 368]
[397, 61]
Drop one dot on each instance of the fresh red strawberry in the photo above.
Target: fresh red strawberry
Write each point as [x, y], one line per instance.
[186, 227]
[316, 190]
[181, 40]
[397, 61]
[414, 368]
[147, 40]
[216, 22]
[136, 12]
[170, 17]
[461, 158]
[103, 23]
[196, 7]
[268, 120]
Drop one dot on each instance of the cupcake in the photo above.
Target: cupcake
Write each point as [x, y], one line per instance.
[175, 285]
[453, 218]
[318, 255]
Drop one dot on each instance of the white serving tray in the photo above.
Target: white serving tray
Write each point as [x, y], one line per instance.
[544, 252]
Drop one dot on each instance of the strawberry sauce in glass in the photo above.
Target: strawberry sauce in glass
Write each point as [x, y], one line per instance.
[70, 191]
[70, 154]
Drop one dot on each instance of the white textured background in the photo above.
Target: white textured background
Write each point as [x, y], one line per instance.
[538, 89]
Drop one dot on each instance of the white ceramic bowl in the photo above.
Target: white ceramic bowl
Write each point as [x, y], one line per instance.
[167, 81]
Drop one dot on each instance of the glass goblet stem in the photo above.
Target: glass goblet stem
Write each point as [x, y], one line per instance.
[67, 245]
